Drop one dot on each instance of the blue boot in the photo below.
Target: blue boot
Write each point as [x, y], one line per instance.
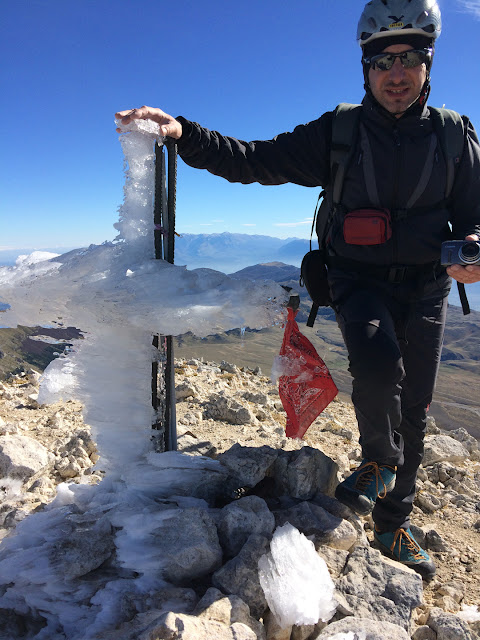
[400, 545]
[369, 482]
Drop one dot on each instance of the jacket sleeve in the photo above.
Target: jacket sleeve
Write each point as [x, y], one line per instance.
[300, 157]
[466, 190]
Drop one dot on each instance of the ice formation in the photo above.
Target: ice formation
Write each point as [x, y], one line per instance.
[295, 580]
[119, 295]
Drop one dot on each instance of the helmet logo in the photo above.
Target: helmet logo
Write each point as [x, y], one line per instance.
[397, 22]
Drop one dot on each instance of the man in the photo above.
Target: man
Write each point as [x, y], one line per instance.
[389, 291]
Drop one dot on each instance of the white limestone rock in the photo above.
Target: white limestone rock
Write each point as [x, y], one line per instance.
[21, 456]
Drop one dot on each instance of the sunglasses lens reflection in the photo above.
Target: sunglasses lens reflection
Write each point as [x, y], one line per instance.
[409, 59]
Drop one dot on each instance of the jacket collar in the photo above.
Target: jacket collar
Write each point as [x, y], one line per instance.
[379, 115]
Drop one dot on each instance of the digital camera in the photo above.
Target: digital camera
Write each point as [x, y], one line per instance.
[460, 252]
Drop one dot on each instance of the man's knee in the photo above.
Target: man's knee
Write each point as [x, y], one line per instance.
[373, 354]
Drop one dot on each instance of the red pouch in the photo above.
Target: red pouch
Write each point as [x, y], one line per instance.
[307, 386]
[367, 226]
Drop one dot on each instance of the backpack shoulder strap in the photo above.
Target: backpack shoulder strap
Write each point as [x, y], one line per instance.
[450, 129]
[345, 126]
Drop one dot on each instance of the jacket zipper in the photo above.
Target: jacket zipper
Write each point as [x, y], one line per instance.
[396, 169]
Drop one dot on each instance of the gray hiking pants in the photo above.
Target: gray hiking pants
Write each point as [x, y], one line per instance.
[394, 337]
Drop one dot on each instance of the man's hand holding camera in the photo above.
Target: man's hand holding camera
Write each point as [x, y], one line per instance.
[458, 255]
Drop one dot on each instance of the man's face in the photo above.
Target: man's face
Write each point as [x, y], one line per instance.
[398, 88]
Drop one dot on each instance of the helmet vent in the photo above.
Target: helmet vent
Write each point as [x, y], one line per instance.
[422, 17]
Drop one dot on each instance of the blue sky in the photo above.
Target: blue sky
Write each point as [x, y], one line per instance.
[251, 69]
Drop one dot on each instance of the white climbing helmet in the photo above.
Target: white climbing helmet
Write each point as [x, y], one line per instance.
[382, 18]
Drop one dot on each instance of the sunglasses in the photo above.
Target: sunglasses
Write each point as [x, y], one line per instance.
[409, 59]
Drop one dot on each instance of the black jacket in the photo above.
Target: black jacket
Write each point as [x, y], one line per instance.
[399, 149]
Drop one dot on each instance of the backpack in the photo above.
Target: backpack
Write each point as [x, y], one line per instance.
[449, 127]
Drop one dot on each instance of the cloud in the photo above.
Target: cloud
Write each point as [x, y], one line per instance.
[249, 224]
[471, 6]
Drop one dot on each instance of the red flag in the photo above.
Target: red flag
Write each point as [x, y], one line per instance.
[306, 386]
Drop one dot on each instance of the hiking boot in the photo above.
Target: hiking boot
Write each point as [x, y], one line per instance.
[369, 482]
[400, 545]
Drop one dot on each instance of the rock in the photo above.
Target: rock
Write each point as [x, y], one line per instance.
[379, 590]
[188, 443]
[248, 465]
[428, 502]
[449, 626]
[424, 633]
[364, 628]
[225, 409]
[301, 474]
[468, 441]
[176, 599]
[256, 398]
[334, 558]
[21, 457]
[68, 469]
[443, 448]
[174, 626]
[239, 576]
[310, 519]
[432, 428]
[84, 546]
[229, 368]
[239, 519]
[434, 541]
[447, 604]
[184, 391]
[305, 631]
[227, 610]
[274, 630]
[188, 544]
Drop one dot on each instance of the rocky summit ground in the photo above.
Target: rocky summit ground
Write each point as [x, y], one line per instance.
[221, 405]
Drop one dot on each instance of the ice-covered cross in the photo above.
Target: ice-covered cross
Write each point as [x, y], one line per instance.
[118, 295]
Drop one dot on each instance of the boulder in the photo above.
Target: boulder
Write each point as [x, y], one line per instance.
[239, 519]
[227, 610]
[363, 628]
[189, 546]
[443, 448]
[239, 576]
[312, 520]
[303, 473]
[448, 626]
[468, 441]
[83, 547]
[21, 457]
[379, 590]
[184, 391]
[248, 465]
[174, 626]
[225, 409]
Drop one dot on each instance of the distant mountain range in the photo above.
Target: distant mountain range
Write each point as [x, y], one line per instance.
[229, 252]
[234, 252]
